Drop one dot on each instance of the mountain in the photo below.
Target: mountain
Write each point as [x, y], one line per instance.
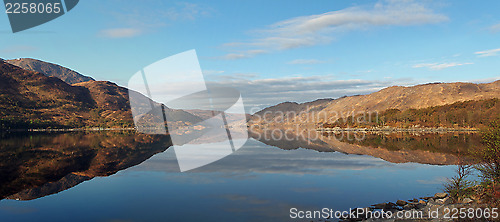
[111, 103]
[469, 114]
[49, 69]
[29, 99]
[293, 107]
[396, 97]
[31, 96]
[417, 97]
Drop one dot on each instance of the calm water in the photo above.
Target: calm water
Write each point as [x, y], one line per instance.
[133, 178]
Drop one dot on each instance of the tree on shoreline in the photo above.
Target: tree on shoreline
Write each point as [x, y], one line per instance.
[489, 163]
[486, 164]
[459, 186]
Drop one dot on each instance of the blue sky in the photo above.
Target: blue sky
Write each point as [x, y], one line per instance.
[275, 50]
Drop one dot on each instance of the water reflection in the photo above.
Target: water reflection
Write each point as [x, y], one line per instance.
[427, 148]
[37, 165]
[143, 182]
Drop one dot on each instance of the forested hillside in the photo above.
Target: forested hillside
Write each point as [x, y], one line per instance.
[468, 114]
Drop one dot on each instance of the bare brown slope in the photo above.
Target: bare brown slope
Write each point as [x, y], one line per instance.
[112, 104]
[107, 95]
[396, 97]
[417, 97]
[28, 97]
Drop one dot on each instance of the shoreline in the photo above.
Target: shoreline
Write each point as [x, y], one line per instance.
[69, 130]
[336, 129]
[439, 207]
[424, 130]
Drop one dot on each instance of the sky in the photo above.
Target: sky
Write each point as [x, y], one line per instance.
[275, 51]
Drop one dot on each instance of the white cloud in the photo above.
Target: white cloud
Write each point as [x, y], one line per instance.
[120, 32]
[484, 80]
[486, 53]
[142, 18]
[212, 72]
[232, 56]
[242, 54]
[440, 66]
[319, 29]
[266, 92]
[186, 11]
[250, 160]
[305, 61]
[495, 28]
[435, 180]
[235, 76]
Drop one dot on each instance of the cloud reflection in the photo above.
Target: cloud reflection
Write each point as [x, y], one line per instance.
[256, 157]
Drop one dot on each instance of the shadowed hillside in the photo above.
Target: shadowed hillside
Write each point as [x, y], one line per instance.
[30, 99]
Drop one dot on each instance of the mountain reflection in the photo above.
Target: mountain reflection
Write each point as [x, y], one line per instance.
[37, 165]
[429, 148]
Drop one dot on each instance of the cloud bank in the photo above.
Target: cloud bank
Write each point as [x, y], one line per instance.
[495, 28]
[262, 93]
[322, 28]
[120, 32]
[305, 62]
[486, 53]
[440, 66]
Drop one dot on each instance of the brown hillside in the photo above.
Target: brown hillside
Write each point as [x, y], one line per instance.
[112, 104]
[396, 97]
[107, 95]
[416, 97]
[28, 97]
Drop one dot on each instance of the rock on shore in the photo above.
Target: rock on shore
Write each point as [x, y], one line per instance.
[439, 207]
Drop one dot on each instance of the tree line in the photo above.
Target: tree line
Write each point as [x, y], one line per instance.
[467, 114]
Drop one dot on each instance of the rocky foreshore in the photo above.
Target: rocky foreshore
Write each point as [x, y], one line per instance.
[439, 207]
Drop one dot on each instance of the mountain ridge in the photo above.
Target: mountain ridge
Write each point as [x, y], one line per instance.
[394, 97]
[30, 95]
[29, 99]
[50, 69]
